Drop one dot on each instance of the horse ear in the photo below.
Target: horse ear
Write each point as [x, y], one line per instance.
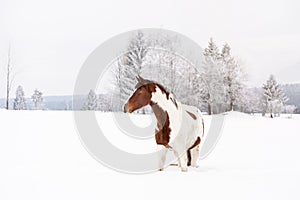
[139, 79]
[142, 79]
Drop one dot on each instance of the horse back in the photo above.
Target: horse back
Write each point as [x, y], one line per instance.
[195, 115]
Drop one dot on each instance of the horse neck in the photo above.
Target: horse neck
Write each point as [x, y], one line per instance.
[165, 102]
[160, 115]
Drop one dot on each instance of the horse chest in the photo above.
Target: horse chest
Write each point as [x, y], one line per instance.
[168, 126]
[174, 127]
[174, 131]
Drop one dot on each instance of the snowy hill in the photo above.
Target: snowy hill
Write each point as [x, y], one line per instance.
[42, 158]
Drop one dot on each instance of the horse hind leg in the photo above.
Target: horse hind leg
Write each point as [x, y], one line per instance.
[189, 157]
[193, 153]
[194, 156]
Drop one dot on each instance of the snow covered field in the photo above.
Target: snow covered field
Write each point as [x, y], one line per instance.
[41, 157]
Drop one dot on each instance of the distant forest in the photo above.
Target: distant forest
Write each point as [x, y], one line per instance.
[292, 91]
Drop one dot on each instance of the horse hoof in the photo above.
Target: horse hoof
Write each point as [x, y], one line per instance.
[184, 169]
[196, 166]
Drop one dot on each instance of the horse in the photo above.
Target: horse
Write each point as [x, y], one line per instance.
[180, 127]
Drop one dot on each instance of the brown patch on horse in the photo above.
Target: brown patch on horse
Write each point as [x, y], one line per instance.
[196, 143]
[174, 102]
[189, 157]
[162, 135]
[192, 115]
[163, 90]
[203, 126]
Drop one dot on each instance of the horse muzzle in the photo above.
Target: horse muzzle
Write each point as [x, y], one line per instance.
[127, 109]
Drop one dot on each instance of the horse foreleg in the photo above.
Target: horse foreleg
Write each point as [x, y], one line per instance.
[162, 152]
[179, 164]
[182, 157]
[183, 162]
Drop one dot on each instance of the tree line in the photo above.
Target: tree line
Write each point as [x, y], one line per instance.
[216, 85]
[219, 86]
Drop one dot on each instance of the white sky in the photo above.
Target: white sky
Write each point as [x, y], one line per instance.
[51, 39]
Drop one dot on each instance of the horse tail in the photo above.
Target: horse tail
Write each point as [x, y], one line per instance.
[202, 127]
[202, 121]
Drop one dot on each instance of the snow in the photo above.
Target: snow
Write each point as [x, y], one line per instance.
[42, 158]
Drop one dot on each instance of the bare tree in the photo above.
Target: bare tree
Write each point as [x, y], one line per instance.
[9, 76]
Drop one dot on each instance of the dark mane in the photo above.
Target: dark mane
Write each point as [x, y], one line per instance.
[148, 82]
[163, 90]
[140, 84]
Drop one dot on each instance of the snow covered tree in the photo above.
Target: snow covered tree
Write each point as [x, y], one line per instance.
[130, 65]
[250, 101]
[253, 100]
[273, 96]
[105, 102]
[155, 57]
[197, 88]
[212, 50]
[137, 51]
[20, 101]
[166, 62]
[233, 78]
[121, 88]
[91, 101]
[290, 109]
[211, 86]
[37, 99]
[276, 106]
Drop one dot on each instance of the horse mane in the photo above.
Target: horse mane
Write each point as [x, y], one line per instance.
[162, 88]
[164, 91]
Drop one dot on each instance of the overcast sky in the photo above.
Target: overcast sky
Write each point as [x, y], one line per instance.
[50, 40]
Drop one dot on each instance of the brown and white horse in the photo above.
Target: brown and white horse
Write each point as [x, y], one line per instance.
[180, 127]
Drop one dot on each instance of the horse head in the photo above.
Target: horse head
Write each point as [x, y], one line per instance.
[141, 96]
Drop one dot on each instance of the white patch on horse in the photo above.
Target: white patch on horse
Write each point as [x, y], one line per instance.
[184, 130]
[160, 98]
